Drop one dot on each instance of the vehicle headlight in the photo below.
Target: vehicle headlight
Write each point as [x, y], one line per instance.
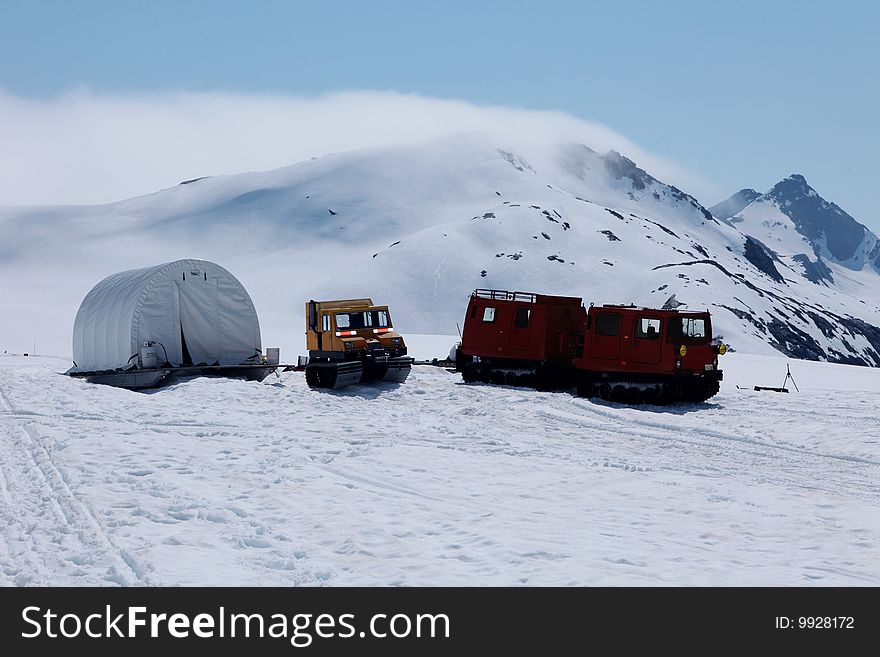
[683, 350]
[722, 349]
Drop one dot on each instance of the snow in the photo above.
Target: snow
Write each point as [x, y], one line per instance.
[419, 227]
[435, 482]
[764, 220]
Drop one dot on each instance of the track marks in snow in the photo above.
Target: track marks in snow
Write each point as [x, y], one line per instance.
[432, 482]
[51, 537]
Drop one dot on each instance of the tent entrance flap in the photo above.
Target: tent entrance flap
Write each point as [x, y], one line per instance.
[158, 321]
[199, 329]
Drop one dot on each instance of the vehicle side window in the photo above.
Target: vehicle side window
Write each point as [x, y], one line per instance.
[368, 319]
[607, 324]
[325, 322]
[648, 328]
[343, 321]
[383, 318]
[489, 314]
[694, 328]
[521, 320]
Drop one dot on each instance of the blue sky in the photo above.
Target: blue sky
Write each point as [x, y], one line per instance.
[741, 93]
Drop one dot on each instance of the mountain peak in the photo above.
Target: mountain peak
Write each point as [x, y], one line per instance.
[793, 186]
[735, 204]
[619, 166]
[823, 223]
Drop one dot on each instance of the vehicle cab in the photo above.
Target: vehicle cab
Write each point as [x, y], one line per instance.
[350, 326]
[646, 341]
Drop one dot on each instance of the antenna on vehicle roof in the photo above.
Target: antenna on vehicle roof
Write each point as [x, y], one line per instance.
[459, 329]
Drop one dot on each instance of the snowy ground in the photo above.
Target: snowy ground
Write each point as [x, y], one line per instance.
[436, 482]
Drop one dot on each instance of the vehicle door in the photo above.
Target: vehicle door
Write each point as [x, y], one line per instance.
[520, 328]
[605, 341]
[646, 344]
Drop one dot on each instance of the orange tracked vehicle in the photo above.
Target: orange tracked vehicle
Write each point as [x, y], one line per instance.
[352, 341]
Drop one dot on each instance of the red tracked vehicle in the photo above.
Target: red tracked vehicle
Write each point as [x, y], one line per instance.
[622, 353]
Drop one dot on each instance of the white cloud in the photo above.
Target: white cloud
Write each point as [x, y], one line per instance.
[85, 147]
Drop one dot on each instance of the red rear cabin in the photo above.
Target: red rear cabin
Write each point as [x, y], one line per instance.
[517, 331]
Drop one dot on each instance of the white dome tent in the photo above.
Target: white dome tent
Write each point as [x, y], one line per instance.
[192, 314]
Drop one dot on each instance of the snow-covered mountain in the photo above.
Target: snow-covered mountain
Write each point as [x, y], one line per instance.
[421, 226]
[733, 205]
[793, 220]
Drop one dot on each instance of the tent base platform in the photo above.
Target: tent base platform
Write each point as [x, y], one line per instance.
[143, 379]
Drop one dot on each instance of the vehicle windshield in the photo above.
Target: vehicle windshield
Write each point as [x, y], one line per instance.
[363, 319]
[692, 328]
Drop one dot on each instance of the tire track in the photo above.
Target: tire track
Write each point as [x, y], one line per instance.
[9, 409]
[858, 479]
[77, 517]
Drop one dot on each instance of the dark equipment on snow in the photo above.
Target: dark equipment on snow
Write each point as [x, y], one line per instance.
[783, 388]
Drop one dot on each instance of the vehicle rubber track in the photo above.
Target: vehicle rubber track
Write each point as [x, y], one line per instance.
[332, 376]
[676, 391]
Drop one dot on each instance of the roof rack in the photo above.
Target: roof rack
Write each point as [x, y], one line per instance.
[506, 295]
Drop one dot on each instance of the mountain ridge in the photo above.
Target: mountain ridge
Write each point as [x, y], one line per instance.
[421, 226]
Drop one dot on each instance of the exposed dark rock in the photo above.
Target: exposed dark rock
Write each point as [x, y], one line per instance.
[817, 272]
[661, 227]
[737, 278]
[814, 217]
[760, 257]
[700, 249]
[822, 323]
[619, 167]
[874, 256]
[793, 342]
[546, 236]
[616, 214]
[515, 162]
[735, 204]
[871, 333]
[747, 316]
[611, 236]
